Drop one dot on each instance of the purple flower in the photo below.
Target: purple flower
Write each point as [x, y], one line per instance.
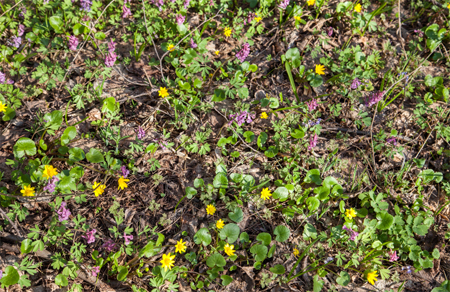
[126, 11]
[241, 118]
[22, 12]
[50, 187]
[312, 142]
[374, 98]
[161, 143]
[127, 238]
[353, 234]
[193, 44]
[21, 30]
[393, 256]
[419, 32]
[179, 19]
[211, 2]
[85, 5]
[73, 43]
[312, 104]
[95, 271]
[186, 4]
[63, 213]
[243, 53]
[1, 274]
[109, 245]
[110, 59]
[9, 81]
[90, 236]
[408, 269]
[2, 78]
[46, 2]
[14, 41]
[329, 31]
[125, 171]
[111, 46]
[140, 133]
[250, 17]
[355, 83]
[392, 140]
[284, 4]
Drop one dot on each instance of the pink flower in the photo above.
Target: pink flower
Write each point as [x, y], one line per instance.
[312, 104]
[63, 213]
[73, 43]
[312, 142]
[125, 171]
[109, 245]
[140, 133]
[110, 59]
[111, 46]
[90, 238]
[353, 234]
[329, 31]
[193, 44]
[243, 53]
[127, 238]
[95, 271]
[392, 140]
[179, 19]
[186, 4]
[211, 2]
[21, 30]
[393, 256]
[126, 11]
[374, 98]
[284, 4]
[9, 81]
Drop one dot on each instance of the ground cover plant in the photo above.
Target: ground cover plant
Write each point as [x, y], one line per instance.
[224, 145]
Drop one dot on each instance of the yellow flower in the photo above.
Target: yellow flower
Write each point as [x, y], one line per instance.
[167, 261]
[320, 69]
[98, 188]
[180, 246]
[350, 213]
[123, 183]
[210, 210]
[220, 224]
[311, 2]
[296, 252]
[265, 194]
[358, 7]
[258, 19]
[448, 6]
[372, 277]
[170, 47]
[227, 31]
[217, 53]
[163, 92]
[27, 191]
[297, 18]
[264, 115]
[229, 249]
[49, 172]
[2, 107]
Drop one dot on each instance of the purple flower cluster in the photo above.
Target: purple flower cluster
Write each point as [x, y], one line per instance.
[109, 245]
[211, 2]
[329, 31]
[419, 32]
[21, 30]
[95, 271]
[355, 83]
[312, 104]
[127, 238]
[1, 274]
[85, 5]
[126, 11]
[9, 81]
[140, 133]
[408, 269]
[161, 143]
[312, 123]
[186, 4]
[90, 237]
[50, 187]
[111, 57]
[73, 43]
[63, 213]
[243, 53]
[193, 44]
[374, 98]
[179, 19]
[2, 78]
[353, 234]
[14, 41]
[158, 3]
[125, 171]
[22, 12]
[393, 256]
[392, 140]
[312, 142]
[284, 4]
[241, 118]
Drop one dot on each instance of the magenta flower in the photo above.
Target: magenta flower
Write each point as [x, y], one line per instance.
[85, 5]
[312, 142]
[22, 12]
[63, 213]
[111, 46]
[95, 271]
[241, 118]
[73, 43]
[353, 234]
[284, 4]
[250, 17]
[329, 31]
[127, 238]
[374, 98]
[161, 143]
[355, 83]
[179, 19]
[51, 185]
[21, 30]
[211, 2]
[14, 42]
[193, 44]
[140, 133]
[2, 78]
[125, 171]
[186, 4]
[419, 32]
[392, 140]
[109, 245]
[90, 238]
[393, 256]
[243, 53]
[110, 59]
[312, 104]
[126, 11]
[1, 274]
[9, 81]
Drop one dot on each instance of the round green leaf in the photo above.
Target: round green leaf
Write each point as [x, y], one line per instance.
[265, 238]
[249, 136]
[216, 260]
[220, 180]
[282, 233]
[385, 220]
[271, 152]
[25, 246]
[123, 272]
[237, 215]
[9, 114]
[298, 134]
[262, 139]
[219, 95]
[100, 36]
[226, 280]
[56, 22]
[271, 251]
[12, 276]
[343, 279]
[24, 146]
[281, 193]
[230, 232]
[76, 154]
[259, 251]
[278, 269]
[190, 192]
[244, 237]
[202, 236]
[313, 176]
[95, 156]
[54, 119]
[61, 280]
[313, 203]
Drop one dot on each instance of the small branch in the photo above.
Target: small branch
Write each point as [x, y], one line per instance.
[10, 222]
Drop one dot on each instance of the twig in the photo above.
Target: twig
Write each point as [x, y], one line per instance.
[10, 222]
[11, 8]
[363, 133]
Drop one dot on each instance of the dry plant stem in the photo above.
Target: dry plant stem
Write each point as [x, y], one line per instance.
[12, 223]
[11, 8]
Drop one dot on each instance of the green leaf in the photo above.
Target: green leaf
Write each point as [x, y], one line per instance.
[281, 193]
[76, 154]
[264, 237]
[230, 232]
[79, 29]
[262, 139]
[9, 114]
[271, 152]
[220, 181]
[216, 260]
[313, 203]
[123, 272]
[278, 269]
[244, 237]
[309, 232]
[95, 156]
[149, 250]
[54, 119]
[385, 220]
[259, 252]
[12, 276]
[317, 284]
[61, 280]
[226, 280]
[298, 134]
[271, 251]
[69, 134]
[249, 136]
[343, 279]
[25, 246]
[56, 22]
[219, 95]
[436, 253]
[313, 176]
[100, 36]
[316, 80]
[282, 233]
[190, 192]
[110, 105]
[24, 146]
[203, 236]
[237, 215]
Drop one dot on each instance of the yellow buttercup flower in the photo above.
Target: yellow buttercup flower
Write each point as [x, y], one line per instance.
[98, 189]
[49, 172]
[265, 194]
[210, 210]
[311, 2]
[123, 183]
[229, 249]
[163, 92]
[358, 8]
[27, 191]
[2, 107]
[220, 224]
[170, 47]
[167, 261]
[350, 213]
[320, 69]
[258, 19]
[217, 53]
[448, 6]
[372, 277]
[297, 18]
[296, 252]
[180, 247]
[264, 115]
[227, 31]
